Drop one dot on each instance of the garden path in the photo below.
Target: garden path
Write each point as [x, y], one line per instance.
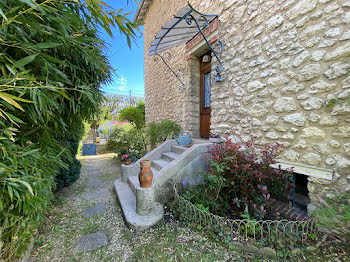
[86, 224]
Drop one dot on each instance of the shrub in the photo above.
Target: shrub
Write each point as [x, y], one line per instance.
[247, 178]
[134, 115]
[239, 179]
[159, 132]
[53, 63]
[125, 139]
[68, 176]
[204, 191]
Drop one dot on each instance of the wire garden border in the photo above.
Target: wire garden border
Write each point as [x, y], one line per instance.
[273, 233]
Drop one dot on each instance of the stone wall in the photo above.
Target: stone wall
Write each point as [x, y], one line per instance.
[286, 79]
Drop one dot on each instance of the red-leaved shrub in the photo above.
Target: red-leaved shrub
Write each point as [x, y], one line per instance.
[249, 180]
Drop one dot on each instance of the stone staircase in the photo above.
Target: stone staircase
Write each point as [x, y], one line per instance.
[158, 165]
[142, 207]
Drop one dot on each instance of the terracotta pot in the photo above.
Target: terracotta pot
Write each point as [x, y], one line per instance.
[145, 175]
[128, 161]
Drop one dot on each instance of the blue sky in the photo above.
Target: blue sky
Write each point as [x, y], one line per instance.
[127, 62]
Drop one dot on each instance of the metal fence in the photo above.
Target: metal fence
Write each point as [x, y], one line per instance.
[262, 232]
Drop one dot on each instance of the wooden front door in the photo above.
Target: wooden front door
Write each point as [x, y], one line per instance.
[205, 97]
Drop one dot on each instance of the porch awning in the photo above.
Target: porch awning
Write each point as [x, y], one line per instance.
[179, 30]
[185, 25]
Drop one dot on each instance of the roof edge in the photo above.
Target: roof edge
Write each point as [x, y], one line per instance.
[142, 10]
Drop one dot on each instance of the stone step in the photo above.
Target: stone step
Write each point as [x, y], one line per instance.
[154, 171]
[170, 156]
[133, 182]
[159, 164]
[127, 201]
[178, 149]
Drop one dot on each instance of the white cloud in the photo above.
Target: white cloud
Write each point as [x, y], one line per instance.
[121, 84]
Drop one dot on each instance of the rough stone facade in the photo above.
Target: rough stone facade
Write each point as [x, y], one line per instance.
[286, 79]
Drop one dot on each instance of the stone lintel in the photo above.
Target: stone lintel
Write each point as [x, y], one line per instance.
[307, 170]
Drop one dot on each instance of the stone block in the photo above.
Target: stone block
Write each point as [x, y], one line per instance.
[312, 158]
[312, 103]
[339, 52]
[313, 132]
[301, 8]
[94, 210]
[92, 242]
[274, 22]
[291, 155]
[341, 109]
[309, 72]
[342, 131]
[285, 104]
[321, 86]
[337, 69]
[297, 119]
[95, 183]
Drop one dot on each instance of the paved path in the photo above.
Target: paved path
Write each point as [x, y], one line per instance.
[86, 224]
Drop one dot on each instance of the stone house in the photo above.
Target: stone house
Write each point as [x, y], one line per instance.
[285, 78]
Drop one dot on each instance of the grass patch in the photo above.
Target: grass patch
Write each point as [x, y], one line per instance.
[90, 227]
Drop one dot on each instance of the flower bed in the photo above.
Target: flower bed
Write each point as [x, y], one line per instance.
[233, 200]
[261, 233]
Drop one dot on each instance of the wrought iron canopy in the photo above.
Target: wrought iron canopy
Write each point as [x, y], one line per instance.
[186, 24]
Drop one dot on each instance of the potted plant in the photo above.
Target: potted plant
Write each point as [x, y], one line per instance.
[127, 159]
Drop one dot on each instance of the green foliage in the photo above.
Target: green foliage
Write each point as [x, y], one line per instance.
[247, 176]
[126, 139]
[204, 190]
[159, 132]
[335, 215]
[113, 103]
[52, 64]
[67, 177]
[26, 184]
[134, 115]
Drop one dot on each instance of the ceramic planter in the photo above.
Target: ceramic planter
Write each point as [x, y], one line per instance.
[145, 175]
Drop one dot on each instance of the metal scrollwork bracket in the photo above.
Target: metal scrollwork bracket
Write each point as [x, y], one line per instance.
[189, 18]
[167, 57]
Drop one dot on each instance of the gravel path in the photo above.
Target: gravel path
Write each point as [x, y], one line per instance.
[86, 224]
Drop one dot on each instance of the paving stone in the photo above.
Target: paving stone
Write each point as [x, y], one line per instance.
[94, 175]
[97, 194]
[93, 170]
[91, 211]
[95, 183]
[92, 241]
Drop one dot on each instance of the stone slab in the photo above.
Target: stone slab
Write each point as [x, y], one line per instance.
[94, 210]
[92, 241]
[93, 170]
[94, 175]
[95, 183]
[127, 201]
[299, 168]
[95, 195]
